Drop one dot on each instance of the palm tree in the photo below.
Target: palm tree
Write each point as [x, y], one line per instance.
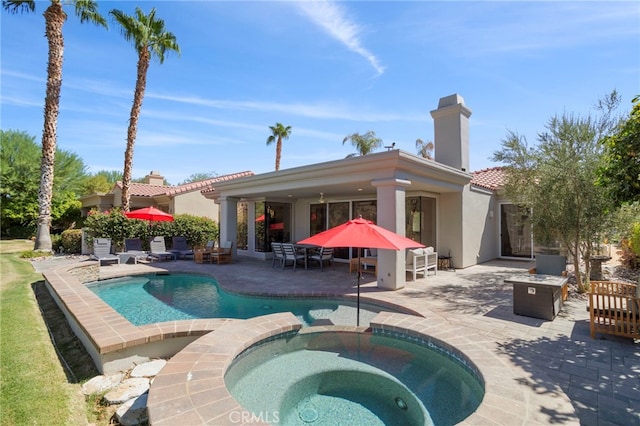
[150, 39]
[278, 133]
[365, 144]
[425, 149]
[54, 18]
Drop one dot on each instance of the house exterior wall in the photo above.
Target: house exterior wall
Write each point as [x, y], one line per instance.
[450, 228]
[479, 226]
[195, 204]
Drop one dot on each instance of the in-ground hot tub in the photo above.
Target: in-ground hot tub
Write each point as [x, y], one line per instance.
[195, 385]
[340, 377]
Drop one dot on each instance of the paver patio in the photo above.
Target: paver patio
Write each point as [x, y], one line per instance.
[601, 376]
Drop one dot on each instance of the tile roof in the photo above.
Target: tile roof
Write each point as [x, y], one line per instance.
[492, 178]
[144, 189]
[205, 184]
[147, 190]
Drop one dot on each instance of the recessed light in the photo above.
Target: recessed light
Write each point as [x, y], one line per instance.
[360, 189]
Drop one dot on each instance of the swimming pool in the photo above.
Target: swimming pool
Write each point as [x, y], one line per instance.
[328, 378]
[152, 298]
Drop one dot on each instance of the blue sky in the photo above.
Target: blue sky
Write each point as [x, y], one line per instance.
[327, 69]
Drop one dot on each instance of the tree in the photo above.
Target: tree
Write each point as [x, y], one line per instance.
[365, 144]
[197, 177]
[425, 149]
[555, 181]
[54, 16]
[101, 182]
[278, 133]
[19, 177]
[149, 38]
[620, 172]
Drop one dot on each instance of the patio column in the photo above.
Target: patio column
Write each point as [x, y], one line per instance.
[391, 215]
[229, 221]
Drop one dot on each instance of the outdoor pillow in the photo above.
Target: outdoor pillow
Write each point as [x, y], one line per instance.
[428, 250]
[412, 254]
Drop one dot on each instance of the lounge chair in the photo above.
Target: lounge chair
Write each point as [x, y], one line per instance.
[323, 254]
[223, 254]
[278, 254]
[203, 255]
[102, 251]
[180, 248]
[158, 250]
[292, 255]
[133, 248]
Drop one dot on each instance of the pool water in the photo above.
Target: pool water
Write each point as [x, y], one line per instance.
[147, 299]
[348, 378]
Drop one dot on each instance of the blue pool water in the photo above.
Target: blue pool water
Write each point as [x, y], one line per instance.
[344, 378]
[147, 299]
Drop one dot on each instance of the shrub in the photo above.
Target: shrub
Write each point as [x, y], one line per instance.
[56, 242]
[71, 241]
[634, 239]
[629, 259]
[115, 225]
[196, 229]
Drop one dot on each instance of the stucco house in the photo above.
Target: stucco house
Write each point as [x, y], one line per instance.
[178, 199]
[438, 202]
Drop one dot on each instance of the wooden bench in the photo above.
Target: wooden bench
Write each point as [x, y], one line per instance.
[614, 308]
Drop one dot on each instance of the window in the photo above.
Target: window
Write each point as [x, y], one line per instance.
[243, 223]
[515, 232]
[273, 224]
[317, 218]
[421, 220]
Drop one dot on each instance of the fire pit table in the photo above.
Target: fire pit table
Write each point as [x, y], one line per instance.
[537, 295]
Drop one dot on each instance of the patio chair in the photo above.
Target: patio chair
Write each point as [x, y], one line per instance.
[323, 254]
[180, 248]
[102, 251]
[158, 250]
[133, 248]
[292, 255]
[223, 254]
[421, 260]
[203, 255]
[278, 254]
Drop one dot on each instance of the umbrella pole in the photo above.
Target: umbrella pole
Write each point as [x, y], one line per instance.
[358, 298]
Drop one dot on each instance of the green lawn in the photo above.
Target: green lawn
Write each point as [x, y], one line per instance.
[34, 389]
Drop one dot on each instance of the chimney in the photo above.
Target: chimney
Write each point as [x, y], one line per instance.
[451, 132]
[154, 178]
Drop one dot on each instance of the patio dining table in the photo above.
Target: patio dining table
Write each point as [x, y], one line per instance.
[306, 250]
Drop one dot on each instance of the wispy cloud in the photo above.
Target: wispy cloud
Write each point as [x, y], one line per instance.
[310, 110]
[332, 18]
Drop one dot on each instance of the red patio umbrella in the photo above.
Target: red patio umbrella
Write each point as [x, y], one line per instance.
[151, 214]
[361, 233]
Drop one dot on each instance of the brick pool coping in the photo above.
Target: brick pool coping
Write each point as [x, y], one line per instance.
[191, 389]
[110, 339]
